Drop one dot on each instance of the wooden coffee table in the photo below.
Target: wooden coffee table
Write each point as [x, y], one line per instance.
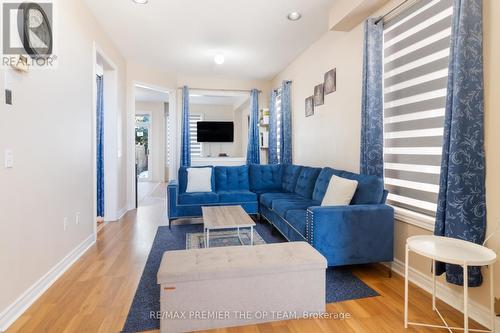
[226, 217]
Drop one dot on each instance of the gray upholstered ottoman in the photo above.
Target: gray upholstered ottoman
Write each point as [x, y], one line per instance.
[240, 285]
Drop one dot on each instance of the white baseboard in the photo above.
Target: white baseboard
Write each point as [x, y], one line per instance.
[119, 214]
[20, 305]
[477, 311]
[122, 213]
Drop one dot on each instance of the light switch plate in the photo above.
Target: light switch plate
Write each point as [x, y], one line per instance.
[8, 93]
[9, 159]
[8, 96]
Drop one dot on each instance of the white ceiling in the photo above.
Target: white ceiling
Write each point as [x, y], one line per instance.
[144, 94]
[183, 36]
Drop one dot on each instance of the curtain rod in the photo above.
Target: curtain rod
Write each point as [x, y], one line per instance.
[279, 88]
[226, 90]
[396, 10]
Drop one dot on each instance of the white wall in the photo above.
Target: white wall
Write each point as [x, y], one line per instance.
[219, 113]
[336, 124]
[158, 139]
[49, 128]
[242, 114]
[241, 122]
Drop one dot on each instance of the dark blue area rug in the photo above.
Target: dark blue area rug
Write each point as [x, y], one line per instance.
[341, 284]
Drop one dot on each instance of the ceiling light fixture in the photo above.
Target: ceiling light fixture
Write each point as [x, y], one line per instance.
[219, 59]
[294, 16]
[141, 2]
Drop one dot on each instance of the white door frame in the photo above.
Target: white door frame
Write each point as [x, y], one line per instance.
[172, 106]
[112, 150]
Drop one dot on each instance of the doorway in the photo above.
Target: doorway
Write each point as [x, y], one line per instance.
[106, 143]
[151, 141]
[143, 147]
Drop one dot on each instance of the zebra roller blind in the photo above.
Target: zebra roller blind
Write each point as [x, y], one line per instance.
[416, 52]
[196, 147]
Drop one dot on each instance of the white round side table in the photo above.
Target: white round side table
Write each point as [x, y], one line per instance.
[451, 251]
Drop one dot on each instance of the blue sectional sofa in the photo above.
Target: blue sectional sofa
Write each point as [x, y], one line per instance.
[289, 197]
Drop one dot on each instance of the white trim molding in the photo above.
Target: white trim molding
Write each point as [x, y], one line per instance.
[122, 212]
[478, 312]
[414, 218]
[20, 305]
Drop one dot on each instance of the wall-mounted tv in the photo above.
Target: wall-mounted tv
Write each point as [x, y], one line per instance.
[215, 131]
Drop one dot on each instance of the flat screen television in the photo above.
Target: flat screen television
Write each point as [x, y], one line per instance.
[215, 131]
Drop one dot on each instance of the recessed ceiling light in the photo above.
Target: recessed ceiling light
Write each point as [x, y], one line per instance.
[219, 59]
[294, 16]
[141, 2]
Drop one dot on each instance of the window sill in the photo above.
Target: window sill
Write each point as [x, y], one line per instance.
[414, 218]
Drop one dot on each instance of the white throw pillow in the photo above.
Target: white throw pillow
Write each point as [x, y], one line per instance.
[199, 180]
[340, 191]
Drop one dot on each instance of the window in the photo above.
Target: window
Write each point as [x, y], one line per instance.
[278, 124]
[416, 51]
[196, 147]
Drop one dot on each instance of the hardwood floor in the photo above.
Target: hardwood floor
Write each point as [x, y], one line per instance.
[95, 294]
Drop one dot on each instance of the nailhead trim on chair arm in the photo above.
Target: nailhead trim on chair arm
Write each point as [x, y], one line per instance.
[310, 222]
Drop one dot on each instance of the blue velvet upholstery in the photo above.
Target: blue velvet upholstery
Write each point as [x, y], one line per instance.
[190, 204]
[233, 189]
[231, 178]
[260, 192]
[267, 199]
[290, 175]
[355, 234]
[307, 181]
[298, 220]
[236, 196]
[370, 188]
[197, 197]
[289, 197]
[196, 210]
[282, 206]
[322, 184]
[265, 178]
[172, 196]
[282, 225]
